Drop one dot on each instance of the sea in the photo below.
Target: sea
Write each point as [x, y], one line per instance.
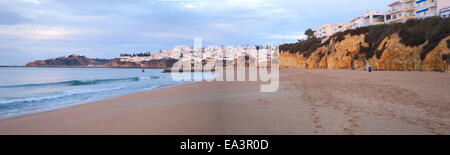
[28, 90]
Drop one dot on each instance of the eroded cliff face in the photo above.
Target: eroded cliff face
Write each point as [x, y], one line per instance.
[292, 60]
[349, 53]
[438, 59]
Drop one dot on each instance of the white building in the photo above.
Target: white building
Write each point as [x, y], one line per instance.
[443, 7]
[372, 18]
[426, 8]
[403, 10]
[352, 24]
[339, 27]
[325, 30]
[444, 12]
[400, 11]
[366, 19]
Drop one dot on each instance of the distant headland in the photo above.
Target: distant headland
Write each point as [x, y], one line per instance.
[9, 66]
[79, 61]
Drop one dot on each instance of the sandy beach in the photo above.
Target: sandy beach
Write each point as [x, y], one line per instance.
[307, 102]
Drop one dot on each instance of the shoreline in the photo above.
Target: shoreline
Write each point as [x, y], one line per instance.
[307, 102]
[62, 107]
[166, 70]
[12, 66]
[88, 102]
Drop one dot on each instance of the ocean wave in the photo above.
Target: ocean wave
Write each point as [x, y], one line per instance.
[149, 78]
[74, 82]
[66, 93]
[94, 82]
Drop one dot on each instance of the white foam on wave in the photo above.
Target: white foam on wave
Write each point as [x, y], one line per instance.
[65, 93]
[149, 77]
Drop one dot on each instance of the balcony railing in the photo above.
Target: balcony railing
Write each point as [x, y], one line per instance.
[391, 11]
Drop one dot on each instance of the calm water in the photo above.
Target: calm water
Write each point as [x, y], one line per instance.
[30, 90]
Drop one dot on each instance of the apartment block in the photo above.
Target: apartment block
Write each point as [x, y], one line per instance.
[339, 27]
[401, 11]
[366, 19]
[443, 7]
[426, 8]
[328, 29]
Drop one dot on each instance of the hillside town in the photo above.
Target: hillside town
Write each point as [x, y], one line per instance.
[200, 55]
[166, 58]
[399, 11]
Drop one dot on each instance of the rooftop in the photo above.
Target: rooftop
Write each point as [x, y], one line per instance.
[395, 3]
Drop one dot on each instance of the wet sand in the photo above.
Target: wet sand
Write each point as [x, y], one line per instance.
[308, 102]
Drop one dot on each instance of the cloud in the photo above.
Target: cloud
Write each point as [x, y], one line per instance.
[106, 28]
[171, 35]
[190, 6]
[11, 18]
[38, 32]
[37, 2]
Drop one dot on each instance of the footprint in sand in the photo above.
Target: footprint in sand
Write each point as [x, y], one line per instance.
[316, 120]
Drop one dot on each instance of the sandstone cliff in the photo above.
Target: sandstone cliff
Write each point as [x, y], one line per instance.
[419, 45]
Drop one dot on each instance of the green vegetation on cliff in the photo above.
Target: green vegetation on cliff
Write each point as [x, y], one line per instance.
[305, 47]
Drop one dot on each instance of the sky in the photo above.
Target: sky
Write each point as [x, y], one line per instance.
[40, 29]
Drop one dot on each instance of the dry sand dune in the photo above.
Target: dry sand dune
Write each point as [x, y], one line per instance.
[307, 102]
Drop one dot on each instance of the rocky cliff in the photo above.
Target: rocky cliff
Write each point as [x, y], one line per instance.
[69, 61]
[417, 45]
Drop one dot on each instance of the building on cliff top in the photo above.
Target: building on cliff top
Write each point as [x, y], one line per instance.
[366, 19]
[444, 12]
[403, 10]
[400, 11]
[426, 8]
[443, 6]
[429, 8]
[327, 30]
